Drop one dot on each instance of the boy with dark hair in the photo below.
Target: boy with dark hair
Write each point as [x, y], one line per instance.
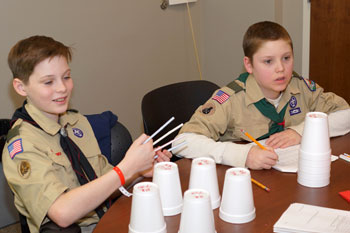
[52, 160]
[268, 101]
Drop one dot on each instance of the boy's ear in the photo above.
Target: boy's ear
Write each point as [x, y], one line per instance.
[248, 65]
[19, 86]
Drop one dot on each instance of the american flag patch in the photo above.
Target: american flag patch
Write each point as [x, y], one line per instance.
[15, 148]
[221, 97]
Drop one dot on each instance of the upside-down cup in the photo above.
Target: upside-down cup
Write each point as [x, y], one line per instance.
[237, 205]
[166, 176]
[203, 176]
[146, 210]
[197, 214]
[315, 137]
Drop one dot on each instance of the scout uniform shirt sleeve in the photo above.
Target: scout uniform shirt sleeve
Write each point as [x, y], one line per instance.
[319, 101]
[209, 122]
[212, 118]
[31, 175]
[227, 153]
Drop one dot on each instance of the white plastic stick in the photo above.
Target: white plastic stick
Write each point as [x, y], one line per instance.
[179, 145]
[162, 127]
[161, 138]
[164, 145]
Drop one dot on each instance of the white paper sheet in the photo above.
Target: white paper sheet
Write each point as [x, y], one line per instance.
[308, 218]
[288, 158]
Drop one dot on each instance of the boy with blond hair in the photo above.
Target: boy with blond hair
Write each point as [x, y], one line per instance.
[269, 102]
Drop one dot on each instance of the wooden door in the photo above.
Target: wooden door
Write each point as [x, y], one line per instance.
[330, 45]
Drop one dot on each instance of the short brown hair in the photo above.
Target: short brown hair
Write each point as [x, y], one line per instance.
[29, 52]
[261, 32]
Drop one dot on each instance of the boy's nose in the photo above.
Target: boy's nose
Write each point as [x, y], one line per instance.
[279, 67]
[61, 87]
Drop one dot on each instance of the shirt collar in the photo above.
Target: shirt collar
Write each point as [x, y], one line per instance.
[253, 91]
[48, 125]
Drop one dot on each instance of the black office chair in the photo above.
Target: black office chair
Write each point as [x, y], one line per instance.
[120, 142]
[179, 100]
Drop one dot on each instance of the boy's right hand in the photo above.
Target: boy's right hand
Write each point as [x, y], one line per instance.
[139, 157]
[261, 159]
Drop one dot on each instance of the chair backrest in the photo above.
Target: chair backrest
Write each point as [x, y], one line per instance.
[179, 100]
[120, 142]
[4, 128]
[113, 137]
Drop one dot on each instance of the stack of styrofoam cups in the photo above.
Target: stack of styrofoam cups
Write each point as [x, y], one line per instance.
[197, 214]
[203, 176]
[314, 164]
[146, 210]
[166, 176]
[237, 205]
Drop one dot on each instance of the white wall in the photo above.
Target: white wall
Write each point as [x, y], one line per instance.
[223, 24]
[122, 49]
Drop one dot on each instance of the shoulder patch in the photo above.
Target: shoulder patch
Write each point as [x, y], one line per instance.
[310, 84]
[15, 148]
[221, 97]
[24, 169]
[208, 109]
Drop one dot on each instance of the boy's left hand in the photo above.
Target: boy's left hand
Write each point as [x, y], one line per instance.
[163, 156]
[284, 139]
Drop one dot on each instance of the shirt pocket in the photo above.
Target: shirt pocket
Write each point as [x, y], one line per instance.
[59, 159]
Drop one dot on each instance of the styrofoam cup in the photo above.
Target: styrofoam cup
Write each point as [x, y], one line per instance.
[197, 214]
[315, 137]
[315, 169]
[313, 183]
[203, 176]
[166, 176]
[146, 210]
[237, 205]
[311, 155]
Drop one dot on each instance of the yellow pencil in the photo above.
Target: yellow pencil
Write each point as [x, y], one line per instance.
[260, 185]
[253, 139]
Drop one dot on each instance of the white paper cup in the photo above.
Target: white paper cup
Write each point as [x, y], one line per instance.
[315, 137]
[311, 155]
[314, 176]
[203, 176]
[237, 205]
[197, 214]
[146, 210]
[313, 183]
[315, 170]
[166, 176]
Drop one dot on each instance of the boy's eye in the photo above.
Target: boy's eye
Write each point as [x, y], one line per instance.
[48, 82]
[268, 61]
[67, 77]
[286, 58]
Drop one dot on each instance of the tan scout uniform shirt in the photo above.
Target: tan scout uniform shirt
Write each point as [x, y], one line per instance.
[42, 172]
[223, 122]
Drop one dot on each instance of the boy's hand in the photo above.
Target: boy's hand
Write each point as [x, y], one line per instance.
[163, 156]
[261, 159]
[286, 138]
[139, 157]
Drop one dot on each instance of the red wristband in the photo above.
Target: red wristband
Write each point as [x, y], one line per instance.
[120, 174]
